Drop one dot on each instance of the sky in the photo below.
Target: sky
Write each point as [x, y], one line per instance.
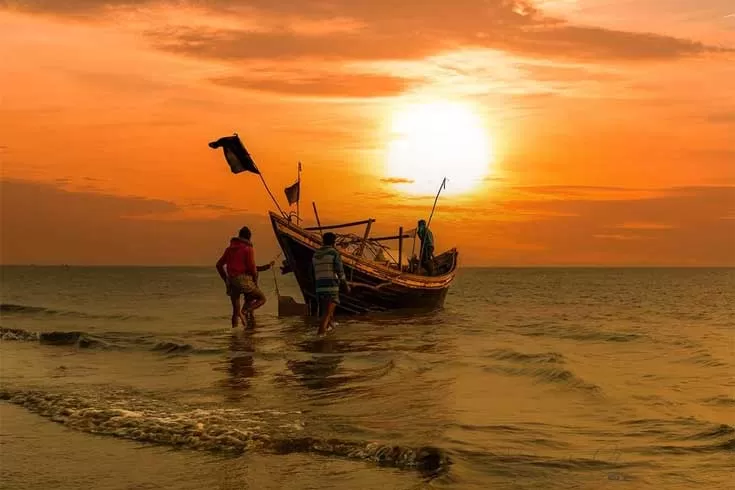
[571, 132]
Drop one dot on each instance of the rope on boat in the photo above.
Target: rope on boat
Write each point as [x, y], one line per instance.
[275, 280]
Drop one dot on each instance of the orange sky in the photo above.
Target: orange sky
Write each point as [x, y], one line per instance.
[612, 125]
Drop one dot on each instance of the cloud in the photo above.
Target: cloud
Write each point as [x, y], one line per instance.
[340, 85]
[644, 226]
[569, 192]
[381, 29]
[45, 224]
[589, 43]
[561, 41]
[556, 72]
[722, 117]
[617, 237]
[72, 7]
[681, 226]
[236, 45]
[397, 180]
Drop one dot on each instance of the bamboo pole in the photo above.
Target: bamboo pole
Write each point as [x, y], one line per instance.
[317, 218]
[299, 199]
[364, 239]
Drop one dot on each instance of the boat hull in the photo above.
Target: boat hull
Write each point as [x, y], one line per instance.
[374, 287]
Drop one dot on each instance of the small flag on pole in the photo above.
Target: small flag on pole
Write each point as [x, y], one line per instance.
[292, 193]
[236, 155]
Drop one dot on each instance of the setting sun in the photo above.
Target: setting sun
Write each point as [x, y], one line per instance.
[431, 141]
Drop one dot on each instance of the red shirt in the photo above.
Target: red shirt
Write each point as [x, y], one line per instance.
[238, 258]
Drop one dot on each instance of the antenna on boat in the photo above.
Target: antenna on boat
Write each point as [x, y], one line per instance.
[444, 184]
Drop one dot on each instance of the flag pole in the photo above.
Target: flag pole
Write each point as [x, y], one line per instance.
[271, 194]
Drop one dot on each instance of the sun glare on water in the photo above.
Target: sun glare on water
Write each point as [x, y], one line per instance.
[431, 141]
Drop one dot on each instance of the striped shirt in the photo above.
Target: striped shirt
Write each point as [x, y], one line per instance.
[328, 270]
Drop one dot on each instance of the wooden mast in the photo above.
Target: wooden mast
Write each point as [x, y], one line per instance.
[400, 249]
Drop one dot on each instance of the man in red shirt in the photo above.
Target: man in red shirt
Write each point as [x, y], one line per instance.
[237, 269]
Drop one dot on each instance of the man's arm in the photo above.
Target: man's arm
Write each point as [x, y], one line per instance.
[340, 271]
[221, 266]
[265, 267]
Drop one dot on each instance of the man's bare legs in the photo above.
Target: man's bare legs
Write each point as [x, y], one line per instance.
[326, 321]
[237, 315]
[252, 303]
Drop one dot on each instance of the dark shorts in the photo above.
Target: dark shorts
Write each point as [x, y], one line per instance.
[325, 298]
[244, 285]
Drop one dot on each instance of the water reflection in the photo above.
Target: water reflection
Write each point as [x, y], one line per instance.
[240, 366]
[319, 371]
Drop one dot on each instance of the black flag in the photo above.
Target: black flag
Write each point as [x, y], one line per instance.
[236, 155]
[292, 193]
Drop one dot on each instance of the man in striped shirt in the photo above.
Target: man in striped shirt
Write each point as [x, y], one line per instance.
[328, 275]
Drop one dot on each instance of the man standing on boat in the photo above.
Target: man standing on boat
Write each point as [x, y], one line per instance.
[328, 275]
[237, 269]
[427, 247]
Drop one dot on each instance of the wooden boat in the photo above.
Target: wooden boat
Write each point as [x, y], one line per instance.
[376, 283]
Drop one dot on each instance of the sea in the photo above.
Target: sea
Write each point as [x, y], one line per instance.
[132, 378]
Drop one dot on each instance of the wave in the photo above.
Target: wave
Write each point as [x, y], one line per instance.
[89, 341]
[512, 355]
[703, 358]
[714, 437]
[172, 347]
[553, 375]
[515, 460]
[722, 400]
[80, 339]
[716, 447]
[576, 333]
[721, 430]
[220, 430]
[40, 310]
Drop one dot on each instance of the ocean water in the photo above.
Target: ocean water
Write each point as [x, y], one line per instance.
[118, 378]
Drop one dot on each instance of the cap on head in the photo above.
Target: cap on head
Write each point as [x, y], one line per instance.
[245, 233]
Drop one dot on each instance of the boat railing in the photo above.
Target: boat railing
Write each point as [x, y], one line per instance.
[343, 225]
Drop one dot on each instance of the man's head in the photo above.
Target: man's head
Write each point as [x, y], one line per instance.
[422, 223]
[329, 239]
[245, 233]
